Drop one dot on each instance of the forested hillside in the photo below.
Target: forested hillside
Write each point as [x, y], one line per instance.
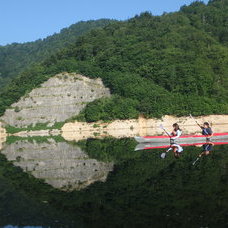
[171, 64]
[16, 57]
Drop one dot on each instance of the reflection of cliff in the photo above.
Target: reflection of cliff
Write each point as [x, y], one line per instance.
[61, 165]
[2, 136]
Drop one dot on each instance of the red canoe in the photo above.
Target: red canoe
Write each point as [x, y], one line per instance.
[182, 139]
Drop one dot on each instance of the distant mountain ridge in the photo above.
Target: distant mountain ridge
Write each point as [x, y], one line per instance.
[16, 57]
[172, 64]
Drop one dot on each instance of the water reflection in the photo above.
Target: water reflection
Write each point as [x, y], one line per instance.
[10, 226]
[162, 145]
[175, 148]
[207, 148]
[62, 165]
[142, 191]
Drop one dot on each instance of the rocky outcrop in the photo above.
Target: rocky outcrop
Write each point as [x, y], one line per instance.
[2, 135]
[56, 100]
[61, 165]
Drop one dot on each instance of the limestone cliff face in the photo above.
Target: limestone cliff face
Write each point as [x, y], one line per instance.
[56, 100]
[61, 165]
[2, 136]
[141, 126]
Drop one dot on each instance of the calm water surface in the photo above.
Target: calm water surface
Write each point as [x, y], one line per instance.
[105, 183]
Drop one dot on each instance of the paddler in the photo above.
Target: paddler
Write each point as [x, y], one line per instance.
[176, 133]
[206, 130]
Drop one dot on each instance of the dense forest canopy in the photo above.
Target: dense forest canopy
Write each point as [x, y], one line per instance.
[15, 58]
[171, 64]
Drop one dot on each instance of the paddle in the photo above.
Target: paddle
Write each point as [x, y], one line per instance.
[195, 120]
[195, 161]
[161, 126]
[163, 155]
[208, 138]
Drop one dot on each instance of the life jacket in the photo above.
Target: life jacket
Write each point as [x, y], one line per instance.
[174, 133]
[207, 131]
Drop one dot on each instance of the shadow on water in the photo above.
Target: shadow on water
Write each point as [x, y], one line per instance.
[45, 183]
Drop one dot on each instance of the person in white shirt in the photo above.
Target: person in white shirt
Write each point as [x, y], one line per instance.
[176, 133]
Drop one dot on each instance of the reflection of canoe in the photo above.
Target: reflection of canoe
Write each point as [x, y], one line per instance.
[182, 139]
[148, 146]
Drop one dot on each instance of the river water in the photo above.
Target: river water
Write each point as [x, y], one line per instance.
[48, 182]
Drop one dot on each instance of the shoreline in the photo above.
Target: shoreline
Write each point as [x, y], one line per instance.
[75, 131]
[3, 136]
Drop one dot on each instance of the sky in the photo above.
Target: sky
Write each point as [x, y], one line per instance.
[28, 20]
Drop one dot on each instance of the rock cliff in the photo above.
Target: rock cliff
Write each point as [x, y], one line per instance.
[2, 136]
[56, 100]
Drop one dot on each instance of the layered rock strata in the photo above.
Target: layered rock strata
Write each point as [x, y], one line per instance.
[2, 136]
[56, 100]
[142, 127]
[61, 165]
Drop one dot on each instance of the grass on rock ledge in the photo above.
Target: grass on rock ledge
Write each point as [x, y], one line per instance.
[39, 126]
[37, 139]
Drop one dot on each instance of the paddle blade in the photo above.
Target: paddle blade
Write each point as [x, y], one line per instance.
[192, 118]
[161, 126]
[195, 161]
[163, 155]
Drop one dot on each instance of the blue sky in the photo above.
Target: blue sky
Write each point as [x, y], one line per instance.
[29, 20]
